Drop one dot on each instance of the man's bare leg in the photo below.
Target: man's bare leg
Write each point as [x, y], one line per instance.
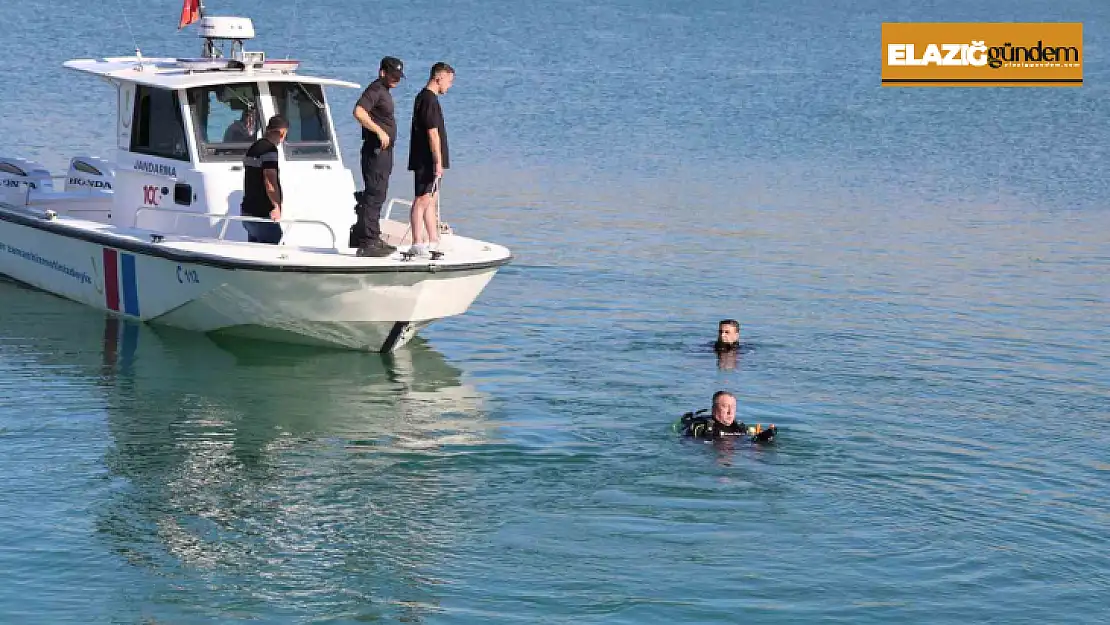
[417, 219]
[431, 223]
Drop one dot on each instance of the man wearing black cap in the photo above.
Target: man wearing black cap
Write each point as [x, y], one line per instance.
[374, 112]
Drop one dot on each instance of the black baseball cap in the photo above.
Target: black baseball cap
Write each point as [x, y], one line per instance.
[277, 122]
[393, 66]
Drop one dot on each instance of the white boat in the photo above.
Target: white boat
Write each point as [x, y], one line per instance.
[155, 233]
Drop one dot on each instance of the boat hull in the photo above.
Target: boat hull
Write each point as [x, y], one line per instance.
[376, 310]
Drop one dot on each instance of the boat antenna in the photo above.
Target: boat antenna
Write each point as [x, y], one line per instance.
[209, 51]
[138, 53]
[292, 25]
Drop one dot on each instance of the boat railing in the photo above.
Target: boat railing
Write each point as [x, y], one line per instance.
[444, 227]
[227, 219]
[389, 207]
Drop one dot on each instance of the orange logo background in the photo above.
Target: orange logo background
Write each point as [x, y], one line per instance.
[991, 54]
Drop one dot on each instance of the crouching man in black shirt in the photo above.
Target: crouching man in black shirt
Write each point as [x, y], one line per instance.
[262, 184]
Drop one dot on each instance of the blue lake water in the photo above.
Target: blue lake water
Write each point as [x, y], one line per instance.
[921, 276]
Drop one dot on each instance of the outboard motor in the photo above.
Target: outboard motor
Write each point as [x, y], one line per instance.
[20, 177]
[89, 173]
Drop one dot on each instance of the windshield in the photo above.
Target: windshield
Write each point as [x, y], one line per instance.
[225, 120]
[309, 135]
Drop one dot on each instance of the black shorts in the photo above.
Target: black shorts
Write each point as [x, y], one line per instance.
[425, 182]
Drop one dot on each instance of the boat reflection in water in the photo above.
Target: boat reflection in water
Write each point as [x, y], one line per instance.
[269, 477]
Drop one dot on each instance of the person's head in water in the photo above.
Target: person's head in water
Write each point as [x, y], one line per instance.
[728, 334]
[724, 407]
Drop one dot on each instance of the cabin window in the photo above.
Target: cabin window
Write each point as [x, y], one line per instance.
[225, 120]
[157, 128]
[309, 135]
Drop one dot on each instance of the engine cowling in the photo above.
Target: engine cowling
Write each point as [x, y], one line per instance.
[89, 173]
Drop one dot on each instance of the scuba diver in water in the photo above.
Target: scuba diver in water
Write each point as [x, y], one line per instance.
[721, 423]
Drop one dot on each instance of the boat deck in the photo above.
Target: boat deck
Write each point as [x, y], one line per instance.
[458, 252]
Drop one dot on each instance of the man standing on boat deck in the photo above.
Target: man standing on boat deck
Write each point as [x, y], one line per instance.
[374, 112]
[262, 195]
[428, 157]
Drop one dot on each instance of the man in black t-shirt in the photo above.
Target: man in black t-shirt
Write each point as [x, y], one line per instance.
[374, 112]
[262, 195]
[428, 157]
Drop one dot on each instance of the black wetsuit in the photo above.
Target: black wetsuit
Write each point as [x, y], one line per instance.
[705, 427]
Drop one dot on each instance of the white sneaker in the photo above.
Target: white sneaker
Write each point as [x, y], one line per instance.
[420, 250]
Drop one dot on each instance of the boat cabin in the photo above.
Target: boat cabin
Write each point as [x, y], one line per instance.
[182, 129]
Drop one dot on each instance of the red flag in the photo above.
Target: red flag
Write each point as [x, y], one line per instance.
[190, 12]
